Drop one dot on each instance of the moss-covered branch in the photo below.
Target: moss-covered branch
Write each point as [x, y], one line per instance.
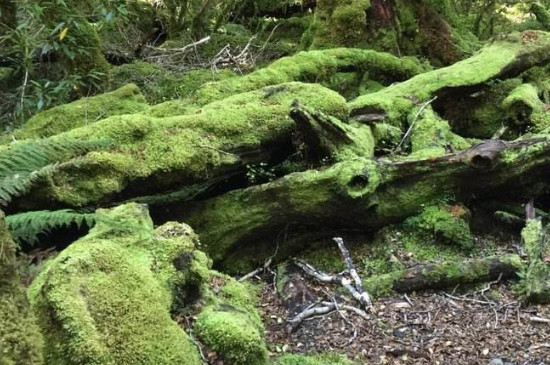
[357, 194]
[516, 53]
[445, 275]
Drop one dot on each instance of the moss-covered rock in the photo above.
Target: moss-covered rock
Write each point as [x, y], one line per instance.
[20, 340]
[106, 299]
[125, 100]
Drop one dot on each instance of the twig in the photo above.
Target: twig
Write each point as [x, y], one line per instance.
[361, 313]
[310, 312]
[182, 49]
[364, 297]
[424, 106]
[539, 320]
[254, 272]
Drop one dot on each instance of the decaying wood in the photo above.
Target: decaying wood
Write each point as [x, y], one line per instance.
[362, 194]
[364, 297]
[450, 274]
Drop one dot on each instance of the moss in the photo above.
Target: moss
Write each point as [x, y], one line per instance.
[431, 136]
[313, 66]
[523, 101]
[328, 358]
[540, 122]
[233, 333]
[106, 299]
[159, 84]
[126, 100]
[446, 224]
[20, 340]
[534, 285]
[542, 15]
[190, 148]
[382, 285]
[397, 100]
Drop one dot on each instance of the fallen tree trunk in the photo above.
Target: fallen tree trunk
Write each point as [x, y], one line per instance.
[517, 53]
[445, 275]
[357, 194]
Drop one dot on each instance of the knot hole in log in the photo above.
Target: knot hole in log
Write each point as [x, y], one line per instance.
[484, 156]
[359, 181]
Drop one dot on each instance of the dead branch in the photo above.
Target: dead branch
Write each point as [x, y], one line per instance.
[364, 296]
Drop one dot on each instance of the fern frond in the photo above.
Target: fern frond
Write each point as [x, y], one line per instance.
[25, 227]
[22, 163]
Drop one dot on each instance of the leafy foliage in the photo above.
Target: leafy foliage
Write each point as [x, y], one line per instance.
[27, 226]
[22, 163]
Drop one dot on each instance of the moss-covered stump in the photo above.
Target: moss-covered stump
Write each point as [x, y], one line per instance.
[20, 340]
[444, 275]
[542, 15]
[125, 100]
[523, 101]
[106, 299]
[534, 285]
[154, 154]
[358, 194]
[517, 53]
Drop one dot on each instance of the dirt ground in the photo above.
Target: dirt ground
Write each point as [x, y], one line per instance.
[473, 327]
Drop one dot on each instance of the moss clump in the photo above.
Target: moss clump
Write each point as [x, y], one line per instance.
[233, 333]
[542, 15]
[446, 224]
[126, 100]
[321, 359]
[106, 299]
[534, 285]
[20, 340]
[159, 84]
[523, 101]
[432, 136]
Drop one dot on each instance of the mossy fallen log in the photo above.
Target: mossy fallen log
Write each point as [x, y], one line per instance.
[357, 194]
[20, 340]
[152, 155]
[445, 275]
[516, 53]
[108, 298]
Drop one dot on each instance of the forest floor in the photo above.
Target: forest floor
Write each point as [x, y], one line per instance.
[471, 327]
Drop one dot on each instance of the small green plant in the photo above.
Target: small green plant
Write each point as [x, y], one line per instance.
[260, 173]
[24, 162]
[26, 227]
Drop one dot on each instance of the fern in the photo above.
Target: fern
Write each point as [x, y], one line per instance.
[22, 163]
[25, 227]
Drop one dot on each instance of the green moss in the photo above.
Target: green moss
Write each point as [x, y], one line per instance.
[445, 224]
[106, 299]
[20, 340]
[233, 333]
[313, 66]
[540, 122]
[523, 101]
[192, 148]
[159, 84]
[534, 285]
[382, 285]
[431, 136]
[397, 100]
[126, 100]
[542, 14]
[321, 359]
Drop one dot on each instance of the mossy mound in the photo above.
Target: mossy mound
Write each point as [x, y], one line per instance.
[445, 224]
[125, 100]
[20, 340]
[106, 299]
